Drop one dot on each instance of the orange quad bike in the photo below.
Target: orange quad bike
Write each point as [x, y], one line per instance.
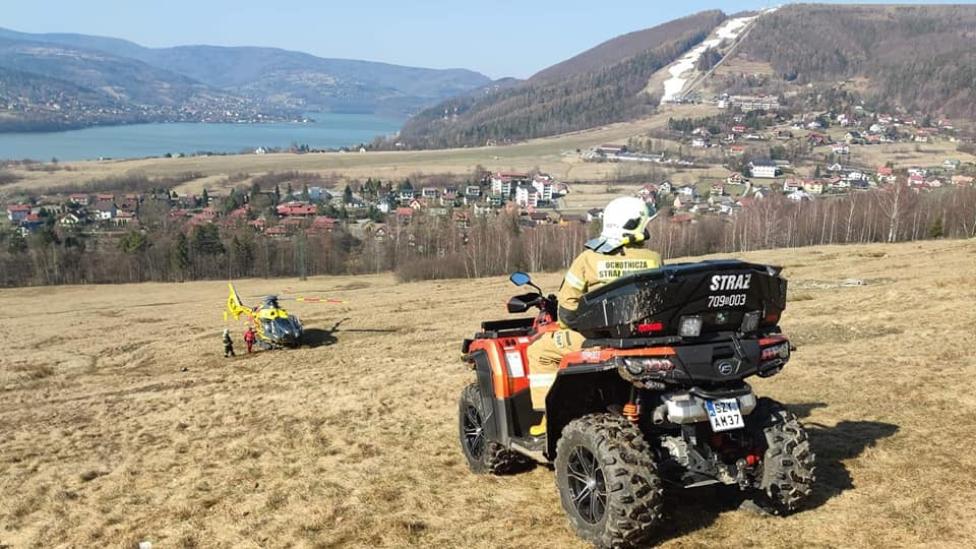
[657, 397]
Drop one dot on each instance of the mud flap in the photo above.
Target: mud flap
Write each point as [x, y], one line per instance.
[492, 421]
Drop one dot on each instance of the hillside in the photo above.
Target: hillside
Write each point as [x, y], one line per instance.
[120, 422]
[249, 78]
[600, 86]
[921, 58]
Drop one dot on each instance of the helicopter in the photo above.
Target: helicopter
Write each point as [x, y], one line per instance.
[272, 324]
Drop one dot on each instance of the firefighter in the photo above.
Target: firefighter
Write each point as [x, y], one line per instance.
[249, 338]
[616, 252]
[228, 344]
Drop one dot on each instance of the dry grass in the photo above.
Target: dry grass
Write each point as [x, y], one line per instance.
[105, 441]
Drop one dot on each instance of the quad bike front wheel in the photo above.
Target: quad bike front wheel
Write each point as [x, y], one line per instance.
[788, 465]
[608, 482]
[483, 455]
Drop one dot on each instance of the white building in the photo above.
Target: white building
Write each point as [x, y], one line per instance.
[526, 196]
[763, 169]
[544, 186]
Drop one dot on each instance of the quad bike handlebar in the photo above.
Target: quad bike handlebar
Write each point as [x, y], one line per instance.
[548, 305]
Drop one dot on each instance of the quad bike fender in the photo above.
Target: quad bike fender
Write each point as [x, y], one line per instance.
[494, 425]
[580, 390]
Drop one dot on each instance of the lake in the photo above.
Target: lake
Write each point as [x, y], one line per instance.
[329, 130]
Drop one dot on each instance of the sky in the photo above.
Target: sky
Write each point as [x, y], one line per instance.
[496, 37]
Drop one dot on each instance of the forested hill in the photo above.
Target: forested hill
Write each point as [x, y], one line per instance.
[600, 86]
[922, 58]
[198, 83]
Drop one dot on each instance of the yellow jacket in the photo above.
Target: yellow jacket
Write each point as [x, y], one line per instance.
[591, 269]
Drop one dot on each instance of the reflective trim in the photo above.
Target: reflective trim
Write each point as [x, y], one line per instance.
[541, 380]
[575, 281]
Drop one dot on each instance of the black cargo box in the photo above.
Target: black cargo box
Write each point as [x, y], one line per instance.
[652, 303]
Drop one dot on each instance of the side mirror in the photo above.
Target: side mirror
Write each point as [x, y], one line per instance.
[520, 279]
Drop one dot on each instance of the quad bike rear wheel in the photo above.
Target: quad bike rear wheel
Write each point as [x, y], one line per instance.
[607, 481]
[788, 465]
[483, 455]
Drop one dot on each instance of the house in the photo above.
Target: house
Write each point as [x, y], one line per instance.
[665, 187]
[404, 214]
[299, 209]
[799, 196]
[840, 148]
[735, 178]
[123, 218]
[718, 189]
[699, 143]
[764, 169]
[69, 220]
[647, 192]
[594, 214]
[885, 171]
[323, 224]
[104, 210]
[689, 192]
[278, 231]
[817, 139]
[430, 192]
[80, 199]
[813, 186]
[472, 191]
[610, 150]
[962, 180]
[738, 128]
[540, 218]
[737, 150]
[405, 193]
[18, 212]
[853, 137]
[950, 164]
[791, 185]
[260, 150]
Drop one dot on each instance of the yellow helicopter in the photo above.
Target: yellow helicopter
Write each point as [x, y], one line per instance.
[272, 324]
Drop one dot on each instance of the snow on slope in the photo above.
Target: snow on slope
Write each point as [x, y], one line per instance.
[680, 70]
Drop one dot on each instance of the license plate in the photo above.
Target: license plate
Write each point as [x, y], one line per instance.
[724, 414]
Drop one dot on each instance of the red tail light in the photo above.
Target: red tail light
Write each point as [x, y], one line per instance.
[650, 327]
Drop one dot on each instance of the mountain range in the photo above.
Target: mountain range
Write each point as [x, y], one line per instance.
[51, 81]
[921, 59]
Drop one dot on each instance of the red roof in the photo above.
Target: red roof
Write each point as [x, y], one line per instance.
[404, 212]
[324, 222]
[18, 208]
[885, 170]
[297, 208]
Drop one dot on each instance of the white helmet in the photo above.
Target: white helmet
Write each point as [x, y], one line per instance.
[625, 221]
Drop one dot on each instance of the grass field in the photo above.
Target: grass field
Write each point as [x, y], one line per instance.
[120, 421]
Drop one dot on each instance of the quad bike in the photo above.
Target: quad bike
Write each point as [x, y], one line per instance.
[657, 396]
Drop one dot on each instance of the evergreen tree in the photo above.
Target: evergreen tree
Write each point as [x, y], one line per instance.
[290, 192]
[936, 230]
[347, 195]
[205, 198]
[134, 242]
[206, 240]
[305, 196]
[180, 256]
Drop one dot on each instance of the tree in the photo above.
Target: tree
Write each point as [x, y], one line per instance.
[306, 197]
[347, 195]
[206, 240]
[134, 242]
[180, 256]
[936, 230]
[205, 198]
[16, 243]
